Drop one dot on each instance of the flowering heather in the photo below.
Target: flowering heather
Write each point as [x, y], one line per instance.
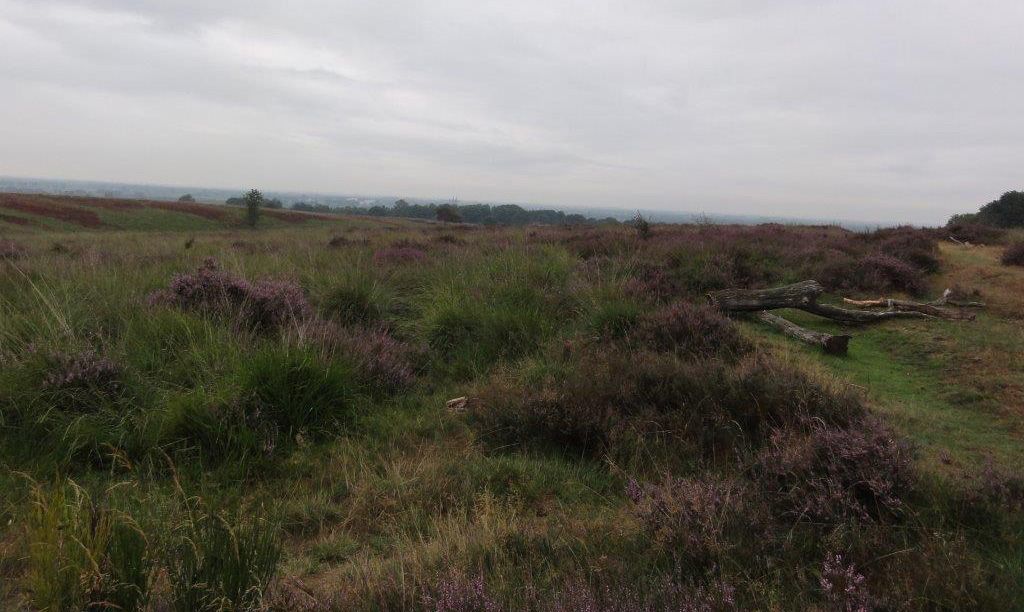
[1014, 255]
[457, 593]
[265, 304]
[666, 594]
[888, 273]
[843, 586]
[692, 329]
[10, 249]
[399, 255]
[84, 370]
[831, 474]
[693, 518]
[389, 363]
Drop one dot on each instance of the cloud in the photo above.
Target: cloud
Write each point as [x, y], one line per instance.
[902, 110]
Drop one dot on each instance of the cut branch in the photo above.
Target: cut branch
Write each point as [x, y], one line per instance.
[931, 309]
[833, 345]
[845, 315]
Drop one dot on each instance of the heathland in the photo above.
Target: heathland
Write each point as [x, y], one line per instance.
[195, 414]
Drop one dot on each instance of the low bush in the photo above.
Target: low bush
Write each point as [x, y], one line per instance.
[11, 250]
[1014, 255]
[830, 474]
[884, 272]
[974, 233]
[609, 400]
[692, 329]
[696, 520]
[82, 381]
[260, 306]
[399, 255]
[383, 361]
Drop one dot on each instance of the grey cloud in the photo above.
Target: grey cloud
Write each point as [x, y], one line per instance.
[903, 110]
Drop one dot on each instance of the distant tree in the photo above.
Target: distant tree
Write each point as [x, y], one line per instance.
[641, 225]
[235, 201]
[253, 200]
[187, 198]
[1007, 211]
[273, 203]
[448, 213]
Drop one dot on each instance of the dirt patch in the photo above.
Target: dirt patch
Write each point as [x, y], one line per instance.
[200, 210]
[53, 208]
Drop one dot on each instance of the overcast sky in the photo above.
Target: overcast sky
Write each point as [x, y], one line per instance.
[868, 110]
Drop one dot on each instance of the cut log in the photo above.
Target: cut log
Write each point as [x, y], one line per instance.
[833, 345]
[797, 295]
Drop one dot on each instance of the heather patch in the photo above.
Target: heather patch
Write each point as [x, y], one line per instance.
[1013, 255]
[829, 474]
[384, 361]
[696, 520]
[687, 328]
[261, 305]
[399, 255]
[11, 250]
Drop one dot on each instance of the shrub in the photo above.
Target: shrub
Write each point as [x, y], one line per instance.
[974, 233]
[399, 255]
[11, 250]
[642, 226]
[843, 586]
[888, 273]
[605, 399]
[260, 306]
[913, 246]
[829, 474]
[83, 381]
[458, 593]
[690, 329]
[381, 359]
[252, 200]
[698, 521]
[1014, 255]
[84, 370]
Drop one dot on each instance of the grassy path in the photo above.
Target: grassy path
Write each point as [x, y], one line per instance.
[956, 388]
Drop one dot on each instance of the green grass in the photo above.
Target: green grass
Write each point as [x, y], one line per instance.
[904, 370]
[260, 465]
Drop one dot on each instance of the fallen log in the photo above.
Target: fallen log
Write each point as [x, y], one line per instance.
[907, 306]
[753, 300]
[833, 345]
[802, 296]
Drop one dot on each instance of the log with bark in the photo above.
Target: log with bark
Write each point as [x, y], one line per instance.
[802, 296]
[833, 345]
[752, 300]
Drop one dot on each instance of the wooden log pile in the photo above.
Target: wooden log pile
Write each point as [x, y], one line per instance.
[804, 296]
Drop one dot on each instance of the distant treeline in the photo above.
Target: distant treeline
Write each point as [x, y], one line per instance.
[1006, 212]
[504, 214]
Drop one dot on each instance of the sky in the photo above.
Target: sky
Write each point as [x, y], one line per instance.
[872, 110]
